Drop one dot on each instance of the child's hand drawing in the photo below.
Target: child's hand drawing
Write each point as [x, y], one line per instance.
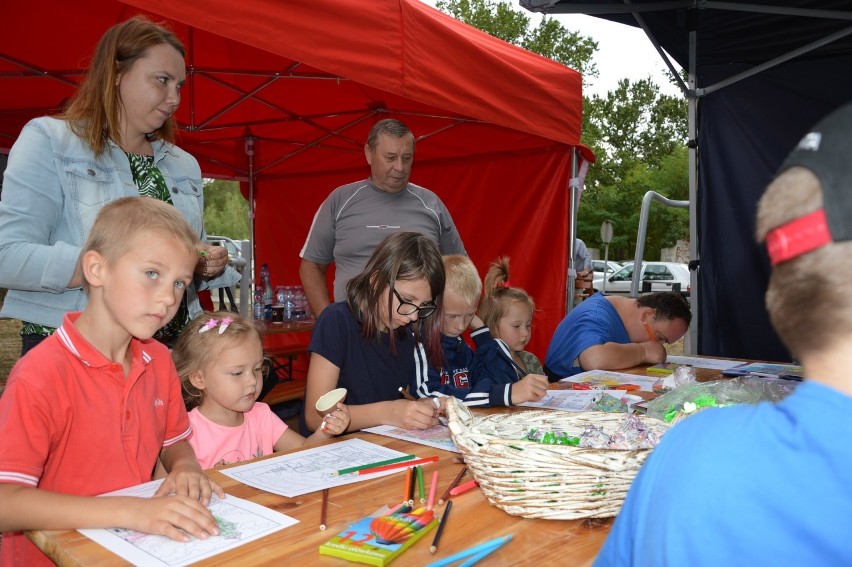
[531, 388]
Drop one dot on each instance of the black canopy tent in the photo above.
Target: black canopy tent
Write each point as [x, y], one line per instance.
[759, 74]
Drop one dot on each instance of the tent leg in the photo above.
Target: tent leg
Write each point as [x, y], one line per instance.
[690, 345]
[574, 207]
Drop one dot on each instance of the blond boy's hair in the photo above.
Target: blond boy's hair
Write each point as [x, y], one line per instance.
[122, 220]
[194, 350]
[807, 296]
[462, 278]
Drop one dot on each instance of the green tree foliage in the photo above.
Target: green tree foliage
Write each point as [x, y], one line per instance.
[638, 135]
[225, 209]
[548, 39]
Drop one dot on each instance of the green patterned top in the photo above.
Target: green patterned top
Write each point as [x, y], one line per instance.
[531, 362]
[150, 182]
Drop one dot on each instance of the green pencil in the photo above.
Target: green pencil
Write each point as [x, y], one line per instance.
[420, 484]
[376, 464]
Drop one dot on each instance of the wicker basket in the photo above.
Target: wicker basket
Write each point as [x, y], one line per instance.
[534, 480]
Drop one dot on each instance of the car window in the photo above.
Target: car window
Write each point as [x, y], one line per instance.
[656, 273]
[623, 275]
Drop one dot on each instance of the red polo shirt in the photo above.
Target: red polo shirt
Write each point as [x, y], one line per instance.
[72, 423]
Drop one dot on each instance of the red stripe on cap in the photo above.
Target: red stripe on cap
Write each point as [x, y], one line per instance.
[798, 237]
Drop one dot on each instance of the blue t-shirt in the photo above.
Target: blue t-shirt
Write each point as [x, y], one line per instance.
[368, 370]
[594, 322]
[764, 484]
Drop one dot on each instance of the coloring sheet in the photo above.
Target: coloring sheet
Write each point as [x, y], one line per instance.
[579, 400]
[603, 378]
[313, 469]
[438, 436]
[240, 521]
[699, 362]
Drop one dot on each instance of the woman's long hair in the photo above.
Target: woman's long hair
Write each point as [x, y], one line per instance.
[93, 111]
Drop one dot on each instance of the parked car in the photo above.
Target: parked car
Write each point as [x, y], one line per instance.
[659, 276]
[599, 265]
[233, 246]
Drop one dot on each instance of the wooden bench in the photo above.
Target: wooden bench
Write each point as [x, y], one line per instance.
[285, 391]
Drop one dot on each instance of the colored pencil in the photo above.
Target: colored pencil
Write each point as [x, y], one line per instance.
[324, 512]
[463, 487]
[485, 553]
[431, 503]
[392, 466]
[451, 486]
[472, 551]
[434, 547]
[406, 395]
[376, 464]
[409, 476]
[421, 487]
[412, 480]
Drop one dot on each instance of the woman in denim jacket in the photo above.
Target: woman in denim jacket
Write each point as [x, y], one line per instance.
[115, 139]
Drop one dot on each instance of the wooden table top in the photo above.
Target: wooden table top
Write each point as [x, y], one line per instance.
[473, 520]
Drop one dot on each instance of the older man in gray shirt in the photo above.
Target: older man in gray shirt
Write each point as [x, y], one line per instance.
[355, 218]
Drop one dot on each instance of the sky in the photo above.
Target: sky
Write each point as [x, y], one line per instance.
[623, 52]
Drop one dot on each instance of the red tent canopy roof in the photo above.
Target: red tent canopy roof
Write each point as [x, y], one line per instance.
[306, 79]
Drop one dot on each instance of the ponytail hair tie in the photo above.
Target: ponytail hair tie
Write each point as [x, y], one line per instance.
[506, 285]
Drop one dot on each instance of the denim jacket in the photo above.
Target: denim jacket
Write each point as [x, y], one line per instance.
[53, 188]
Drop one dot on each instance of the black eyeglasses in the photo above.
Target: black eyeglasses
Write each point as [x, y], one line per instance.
[408, 308]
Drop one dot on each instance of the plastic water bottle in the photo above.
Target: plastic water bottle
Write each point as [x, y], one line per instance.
[267, 285]
[257, 306]
[299, 304]
[288, 304]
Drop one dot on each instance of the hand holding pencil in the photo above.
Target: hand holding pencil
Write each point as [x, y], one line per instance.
[414, 414]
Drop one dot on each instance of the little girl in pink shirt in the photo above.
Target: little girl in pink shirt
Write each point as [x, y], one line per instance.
[219, 358]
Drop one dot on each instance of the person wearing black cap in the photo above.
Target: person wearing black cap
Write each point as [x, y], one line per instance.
[769, 484]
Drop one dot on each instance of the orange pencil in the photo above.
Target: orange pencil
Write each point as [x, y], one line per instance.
[409, 476]
[451, 486]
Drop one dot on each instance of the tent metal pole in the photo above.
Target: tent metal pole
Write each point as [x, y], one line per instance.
[690, 345]
[574, 207]
[250, 156]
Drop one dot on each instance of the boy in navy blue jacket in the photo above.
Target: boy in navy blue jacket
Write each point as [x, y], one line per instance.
[485, 377]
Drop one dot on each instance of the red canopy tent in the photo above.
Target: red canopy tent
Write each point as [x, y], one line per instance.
[281, 96]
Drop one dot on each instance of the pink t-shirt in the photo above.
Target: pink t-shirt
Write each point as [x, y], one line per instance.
[216, 444]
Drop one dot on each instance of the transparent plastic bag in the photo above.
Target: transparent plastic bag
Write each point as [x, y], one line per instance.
[694, 397]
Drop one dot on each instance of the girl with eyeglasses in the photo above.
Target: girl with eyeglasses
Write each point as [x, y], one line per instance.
[366, 343]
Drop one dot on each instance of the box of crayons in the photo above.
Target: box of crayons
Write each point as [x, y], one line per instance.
[378, 540]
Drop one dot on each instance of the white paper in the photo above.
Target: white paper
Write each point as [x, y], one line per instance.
[699, 362]
[579, 400]
[438, 436]
[604, 378]
[313, 469]
[240, 522]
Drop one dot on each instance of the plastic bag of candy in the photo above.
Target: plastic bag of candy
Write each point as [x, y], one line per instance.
[687, 400]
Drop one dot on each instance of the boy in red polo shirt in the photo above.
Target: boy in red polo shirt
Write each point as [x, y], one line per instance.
[90, 409]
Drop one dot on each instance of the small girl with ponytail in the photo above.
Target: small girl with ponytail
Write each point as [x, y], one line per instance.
[219, 358]
[508, 312]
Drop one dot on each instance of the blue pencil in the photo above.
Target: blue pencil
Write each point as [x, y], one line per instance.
[488, 546]
[484, 553]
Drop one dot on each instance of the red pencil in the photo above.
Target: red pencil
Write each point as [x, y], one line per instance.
[400, 465]
[463, 487]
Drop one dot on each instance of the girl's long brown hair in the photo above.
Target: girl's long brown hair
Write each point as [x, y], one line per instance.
[401, 256]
